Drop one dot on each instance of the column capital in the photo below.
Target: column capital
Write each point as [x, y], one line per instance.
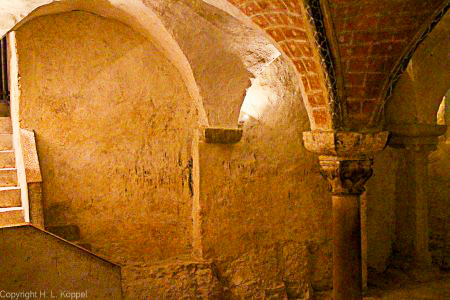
[345, 144]
[346, 158]
[416, 137]
[346, 177]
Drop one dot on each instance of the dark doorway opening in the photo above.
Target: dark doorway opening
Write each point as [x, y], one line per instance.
[4, 86]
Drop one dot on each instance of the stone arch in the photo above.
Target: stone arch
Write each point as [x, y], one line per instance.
[287, 24]
[420, 88]
[133, 13]
[412, 76]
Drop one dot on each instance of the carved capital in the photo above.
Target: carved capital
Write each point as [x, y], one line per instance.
[346, 176]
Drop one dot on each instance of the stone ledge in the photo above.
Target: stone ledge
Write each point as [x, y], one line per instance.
[345, 144]
[416, 136]
[222, 135]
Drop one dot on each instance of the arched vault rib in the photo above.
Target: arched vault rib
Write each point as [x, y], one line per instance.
[424, 82]
[286, 23]
[224, 54]
[131, 12]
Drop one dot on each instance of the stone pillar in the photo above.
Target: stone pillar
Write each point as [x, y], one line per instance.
[346, 162]
[411, 245]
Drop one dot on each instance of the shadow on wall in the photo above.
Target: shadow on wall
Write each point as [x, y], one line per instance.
[267, 210]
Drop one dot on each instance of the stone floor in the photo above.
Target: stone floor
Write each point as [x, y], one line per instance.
[436, 289]
[406, 289]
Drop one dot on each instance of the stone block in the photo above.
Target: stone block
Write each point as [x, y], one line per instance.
[5, 125]
[7, 159]
[222, 135]
[8, 177]
[10, 197]
[6, 141]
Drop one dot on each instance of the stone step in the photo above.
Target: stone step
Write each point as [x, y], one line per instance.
[10, 197]
[11, 216]
[70, 233]
[8, 177]
[6, 141]
[7, 159]
[5, 125]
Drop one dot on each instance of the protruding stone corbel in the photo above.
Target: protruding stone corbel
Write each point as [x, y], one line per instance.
[416, 137]
[222, 135]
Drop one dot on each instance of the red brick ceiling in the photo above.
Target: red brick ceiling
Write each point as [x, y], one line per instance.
[284, 22]
[371, 38]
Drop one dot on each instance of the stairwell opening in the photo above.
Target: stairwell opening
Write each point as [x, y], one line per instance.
[4, 85]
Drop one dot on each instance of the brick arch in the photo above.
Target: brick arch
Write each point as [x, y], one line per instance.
[403, 62]
[285, 21]
[414, 96]
[372, 37]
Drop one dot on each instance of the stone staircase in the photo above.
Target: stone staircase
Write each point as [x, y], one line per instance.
[11, 210]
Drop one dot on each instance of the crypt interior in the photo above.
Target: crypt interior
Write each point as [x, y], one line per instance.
[225, 149]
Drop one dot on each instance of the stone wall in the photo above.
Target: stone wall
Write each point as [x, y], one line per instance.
[265, 210]
[114, 127]
[36, 264]
[113, 122]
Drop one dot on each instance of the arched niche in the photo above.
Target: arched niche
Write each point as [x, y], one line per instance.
[133, 13]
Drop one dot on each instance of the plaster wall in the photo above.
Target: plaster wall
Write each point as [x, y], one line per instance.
[113, 120]
[265, 210]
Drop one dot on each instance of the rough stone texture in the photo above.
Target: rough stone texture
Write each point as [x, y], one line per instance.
[134, 13]
[36, 204]
[112, 120]
[264, 209]
[36, 261]
[114, 124]
[173, 280]
[30, 156]
[345, 144]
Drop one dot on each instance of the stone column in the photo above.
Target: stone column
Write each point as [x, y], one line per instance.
[346, 160]
[411, 246]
